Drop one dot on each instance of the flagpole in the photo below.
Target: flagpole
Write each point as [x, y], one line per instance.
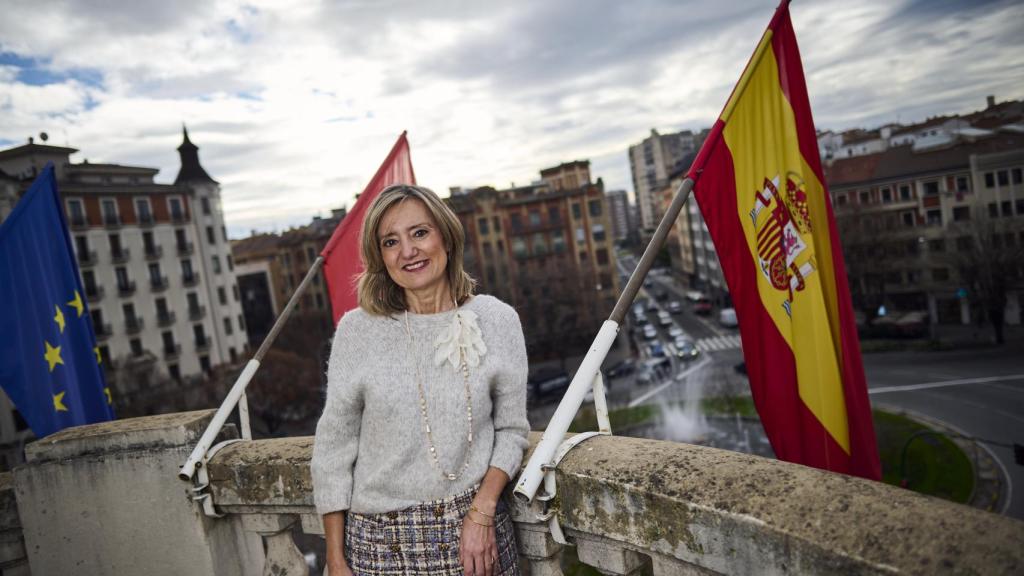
[236, 396]
[554, 434]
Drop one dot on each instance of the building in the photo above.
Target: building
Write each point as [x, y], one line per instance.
[692, 255]
[546, 250]
[651, 162]
[621, 213]
[934, 229]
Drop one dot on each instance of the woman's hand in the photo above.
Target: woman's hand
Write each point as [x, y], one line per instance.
[478, 546]
[338, 568]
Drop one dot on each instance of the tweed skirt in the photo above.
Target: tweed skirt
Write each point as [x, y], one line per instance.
[422, 539]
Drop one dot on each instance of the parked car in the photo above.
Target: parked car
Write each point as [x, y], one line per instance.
[649, 332]
[548, 383]
[685, 349]
[695, 295]
[653, 369]
[664, 319]
[656, 350]
[727, 317]
[652, 306]
[676, 332]
[640, 317]
[621, 368]
[661, 295]
[675, 307]
[702, 307]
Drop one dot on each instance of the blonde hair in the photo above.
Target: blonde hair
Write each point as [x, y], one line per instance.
[378, 294]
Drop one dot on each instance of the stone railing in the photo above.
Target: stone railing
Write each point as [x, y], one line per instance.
[107, 498]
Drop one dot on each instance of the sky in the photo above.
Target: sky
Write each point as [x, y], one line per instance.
[294, 104]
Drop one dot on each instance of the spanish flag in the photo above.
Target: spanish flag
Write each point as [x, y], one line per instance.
[759, 183]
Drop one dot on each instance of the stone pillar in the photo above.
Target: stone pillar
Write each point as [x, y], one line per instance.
[106, 499]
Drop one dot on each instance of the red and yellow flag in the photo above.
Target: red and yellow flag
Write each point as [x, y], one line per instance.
[759, 183]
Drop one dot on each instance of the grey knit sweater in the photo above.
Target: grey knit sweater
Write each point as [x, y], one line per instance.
[371, 453]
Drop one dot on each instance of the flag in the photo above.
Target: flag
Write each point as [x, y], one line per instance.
[49, 361]
[759, 184]
[342, 262]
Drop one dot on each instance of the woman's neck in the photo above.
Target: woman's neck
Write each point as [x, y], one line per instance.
[430, 300]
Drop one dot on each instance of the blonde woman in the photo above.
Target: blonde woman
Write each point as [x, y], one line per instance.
[425, 421]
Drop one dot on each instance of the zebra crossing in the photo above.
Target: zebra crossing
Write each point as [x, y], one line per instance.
[718, 343]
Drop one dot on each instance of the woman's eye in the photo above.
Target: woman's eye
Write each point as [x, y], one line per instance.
[389, 243]
[420, 233]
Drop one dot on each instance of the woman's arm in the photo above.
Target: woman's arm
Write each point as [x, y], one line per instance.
[478, 546]
[334, 534]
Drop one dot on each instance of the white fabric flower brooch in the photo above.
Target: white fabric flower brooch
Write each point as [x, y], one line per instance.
[460, 340]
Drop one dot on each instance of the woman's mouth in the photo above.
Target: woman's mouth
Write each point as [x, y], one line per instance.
[415, 266]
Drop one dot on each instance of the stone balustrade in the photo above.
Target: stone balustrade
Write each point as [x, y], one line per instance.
[105, 499]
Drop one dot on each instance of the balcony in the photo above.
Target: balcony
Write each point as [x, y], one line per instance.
[78, 222]
[146, 221]
[627, 505]
[133, 325]
[196, 312]
[178, 217]
[87, 258]
[103, 331]
[154, 252]
[158, 284]
[190, 280]
[111, 221]
[120, 256]
[126, 289]
[166, 319]
[172, 352]
[185, 249]
[93, 293]
[202, 345]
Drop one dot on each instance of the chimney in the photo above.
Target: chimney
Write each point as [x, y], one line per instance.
[991, 100]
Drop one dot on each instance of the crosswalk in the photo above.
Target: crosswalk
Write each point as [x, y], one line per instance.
[718, 343]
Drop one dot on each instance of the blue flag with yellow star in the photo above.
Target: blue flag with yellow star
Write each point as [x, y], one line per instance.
[49, 362]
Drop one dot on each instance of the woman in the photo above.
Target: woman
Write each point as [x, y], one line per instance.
[425, 421]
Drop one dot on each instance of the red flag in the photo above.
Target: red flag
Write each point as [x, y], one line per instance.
[760, 187]
[342, 262]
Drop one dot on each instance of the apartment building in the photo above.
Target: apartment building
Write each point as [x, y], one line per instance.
[651, 162]
[623, 226]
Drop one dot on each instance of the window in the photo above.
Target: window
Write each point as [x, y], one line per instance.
[136, 346]
[227, 326]
[129, 312]
[175, 207]
[1003, 177]
[534, 218]
[886, 194]
[168, 338]
[497, 224]
[204, 363]
[123, 284]
[481, 224]
[937, 245]
[186, 269]
[1020, 207]
[205, 203]
[147, 242]
[964, 243]
[864, 197]
[1007, 208]
[193, 302]
[990, 180]
[961, 213]
[558, 242]
[200, 335]
[961, 184]
[905, 192]
[595, 208]
[598, 231]
[109, 209]
[488, 252]
[233, 354]
[234, 289]
[540, 244]
[216, 264]
[76, 213]
[97, 320]
[940, 274]
[1016, 175]
[143, 210]
[222, 295]
[931, 188]
[519, 247]
[115, 246]
[554, 215]
[161, 307]
[934, 217]
[82, 247]
[241, 322]
[581, 235]
[577, 212]
[841, 200]
[516, 222]
[211, 236]
[602, 256]
[993, 210]
[154, 273]
[175, 374]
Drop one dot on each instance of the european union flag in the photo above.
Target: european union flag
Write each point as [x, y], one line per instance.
[49, 362]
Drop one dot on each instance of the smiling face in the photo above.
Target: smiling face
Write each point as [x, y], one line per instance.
[412, 247]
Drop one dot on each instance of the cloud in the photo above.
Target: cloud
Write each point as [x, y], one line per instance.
[294, 104]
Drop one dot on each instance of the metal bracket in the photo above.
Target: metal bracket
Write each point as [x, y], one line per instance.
[199, 491]
[548, 514]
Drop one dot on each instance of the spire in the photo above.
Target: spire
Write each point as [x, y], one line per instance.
[191, 169]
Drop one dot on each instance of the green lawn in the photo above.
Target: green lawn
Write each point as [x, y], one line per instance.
[935, 465]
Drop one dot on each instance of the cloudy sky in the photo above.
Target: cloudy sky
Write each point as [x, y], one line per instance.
[295, 103]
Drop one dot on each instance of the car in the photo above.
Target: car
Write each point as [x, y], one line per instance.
[656, 350]
[621, 368]
[649, 332]
[727, 318]
[548, 383]
[675, 307]
[648, 283]
[638, 307]
[640, 318]
[661, 295]
[695, 295]
[653, 369]
[652, 306]
[675, 332]
[702, 307]
[685, 349]
[664, 319]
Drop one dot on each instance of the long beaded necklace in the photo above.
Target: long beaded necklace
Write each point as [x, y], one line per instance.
[452, 476]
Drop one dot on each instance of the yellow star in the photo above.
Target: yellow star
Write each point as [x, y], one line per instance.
[96, 351]
[59, 318]
[52, 355]
[77, 304]
[58, 403]
[110, 399]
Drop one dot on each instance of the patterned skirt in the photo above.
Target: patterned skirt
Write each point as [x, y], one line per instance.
[422, 539]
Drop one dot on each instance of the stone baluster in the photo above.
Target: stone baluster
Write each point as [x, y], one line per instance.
[283, 556]
[609, 556]
[539, 549]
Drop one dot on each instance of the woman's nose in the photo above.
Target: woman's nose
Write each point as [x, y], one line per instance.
[408, 250]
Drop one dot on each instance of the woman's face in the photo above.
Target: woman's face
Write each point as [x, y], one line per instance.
[412, 246]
